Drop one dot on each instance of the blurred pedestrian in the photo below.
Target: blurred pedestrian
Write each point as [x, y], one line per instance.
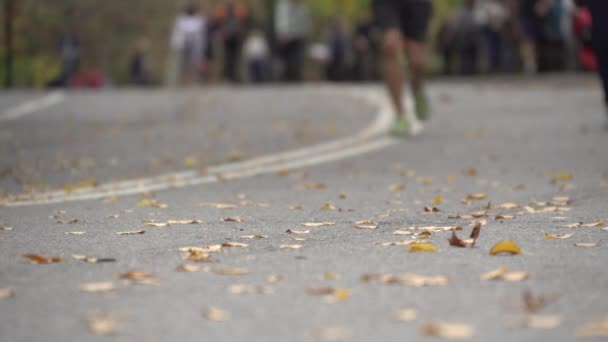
[341, 54]
[493, 17]
[187, 42]
[468, 37]
[532, 15]
[446, 44]
[256, 54]
[138, 70]
[405, 25]
[292, 24]
[365, 47]
[599, 14]
[234, 18]
[69, 52]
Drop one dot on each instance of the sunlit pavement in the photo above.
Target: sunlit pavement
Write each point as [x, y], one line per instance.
[525, 158]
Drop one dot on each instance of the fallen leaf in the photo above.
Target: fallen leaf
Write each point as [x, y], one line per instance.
[39, 259]
[74, 233]
[341, 294]
[88, 183]
[366, 224]
[471, 172]
[7, 292]
[140, 277]
[431, 210]
[599, 223]
[342, 196]
[5, 228]
[147, 202]
[397, 187]
[329, 207]
[504, 217]
[437, 200]
[216, 314]
[219, 205]
[233, 219]
[402, 232]
[257, 236]
[587, 244]
[406, 315]
[503, 274]
[505, 247]
[99, 287]
[230, 271]
[297, 232]
[534, 304]
[558, 236]
[131, 232]
[572, 225]
[476, 197]
[539, 321]
[189, 268]
[598, 328]
[406, 279]
[190, 161]
[170, 223]
[103, 324]
[249, 289]
[296, 207]
[74, 221]
[562, 177]
[318, 224]
[290, 247]
[234, 244]
[508, 206]
[92, 260]
[448, 331]
[334, 334]
[398, 243]
[421, 247]
[275, 278]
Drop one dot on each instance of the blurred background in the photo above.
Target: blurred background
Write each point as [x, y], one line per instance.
[96, 44]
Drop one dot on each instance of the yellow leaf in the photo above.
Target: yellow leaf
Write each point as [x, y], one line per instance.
[89, 183]
[477, 197]
[329, 207]
[563, 177]
[341, 294]
[437, 200]
[558, 236]
[505, 247]
[190, 161]
[421, 247]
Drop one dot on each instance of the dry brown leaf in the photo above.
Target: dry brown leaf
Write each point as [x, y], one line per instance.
[216, 314]
[196, 255]
[297, 232]
[366, 224]
[219, 205]
[421, 247]
[233, 219]
[6, 229]
[249, 289]
[334, 334]
[587, 244]
[92, 260]
[539, 321]
[296, 207]
[572, 225]
[190, 268]
[598, 328]
[74, 221]
[234, 244]
[230, 271]
[99, 287]
[74, 233]
[140, 277]
[342, 196]
[397, 187]
[507, 246]
[448, 331]
[599, 223]
[503, 274]
[508, 205]
[329, 207]
[406, 279]
[39, 259]
[504, 217]
[257, 236]
[275, 278]
[170, 223]
[476, 197]
[290, 247]
[534, 304]
[103, 324]
[403, 231]
[406, 315]
[132, 232]
[7, 292]
[558, 236]
[318, 224]
[398, 243]
[431, 210]
[471, 172]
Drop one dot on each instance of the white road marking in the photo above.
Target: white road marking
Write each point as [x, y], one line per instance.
[33, 106]
[370, 139]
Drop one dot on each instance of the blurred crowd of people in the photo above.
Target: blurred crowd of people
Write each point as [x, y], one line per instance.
[228, 42]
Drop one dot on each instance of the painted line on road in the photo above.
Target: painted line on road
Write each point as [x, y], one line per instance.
[369, 139]
[33, 106]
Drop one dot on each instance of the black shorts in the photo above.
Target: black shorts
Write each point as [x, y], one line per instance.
[412, 17]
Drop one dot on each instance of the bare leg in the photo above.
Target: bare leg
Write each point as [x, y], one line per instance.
[416, 56]
[394, 74]
[529, 54]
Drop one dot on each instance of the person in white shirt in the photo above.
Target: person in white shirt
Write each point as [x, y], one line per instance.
[255, 53]
[187, 44]
[292, 24]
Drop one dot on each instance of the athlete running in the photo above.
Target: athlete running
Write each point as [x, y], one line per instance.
[404, 24]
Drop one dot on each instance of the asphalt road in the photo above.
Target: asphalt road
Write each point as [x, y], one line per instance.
[505, 139]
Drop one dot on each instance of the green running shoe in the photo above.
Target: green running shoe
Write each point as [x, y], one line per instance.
[401, 128]
[423, 110]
